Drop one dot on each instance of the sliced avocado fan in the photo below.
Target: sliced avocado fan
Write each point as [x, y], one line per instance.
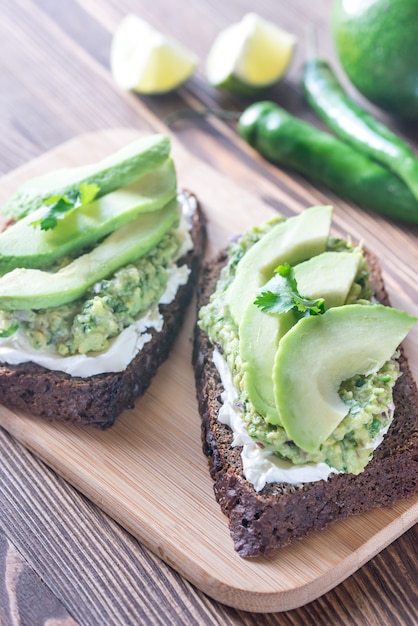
[117, 170]
[24, 245]
[25, 288]
[329, 275]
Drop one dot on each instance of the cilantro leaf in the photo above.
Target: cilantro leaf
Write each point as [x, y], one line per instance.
[60, 206]
[8, 332]
[88, 192]
[281, 294]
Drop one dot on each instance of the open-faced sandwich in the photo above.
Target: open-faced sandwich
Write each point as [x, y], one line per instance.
[97, 265]
[308, 408]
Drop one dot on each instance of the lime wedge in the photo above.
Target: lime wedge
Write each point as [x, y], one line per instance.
[144, 60]
[249, 55]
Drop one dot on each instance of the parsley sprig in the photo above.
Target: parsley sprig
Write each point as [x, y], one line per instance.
[60, 206]
[280, 294]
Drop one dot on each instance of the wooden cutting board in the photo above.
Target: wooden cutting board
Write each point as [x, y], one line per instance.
[148, 472]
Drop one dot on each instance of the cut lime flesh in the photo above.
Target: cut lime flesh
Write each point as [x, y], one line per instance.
[250, 55]
[142, 59]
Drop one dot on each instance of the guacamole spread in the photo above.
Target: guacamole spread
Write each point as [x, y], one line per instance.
[88, 324]
[368, 397]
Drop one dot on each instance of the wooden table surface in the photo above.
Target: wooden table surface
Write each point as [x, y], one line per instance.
[62, 560]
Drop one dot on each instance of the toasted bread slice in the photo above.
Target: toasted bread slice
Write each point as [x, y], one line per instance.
[263, 521]
[98, 399]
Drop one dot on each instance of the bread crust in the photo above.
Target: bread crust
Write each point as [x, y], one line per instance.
[261, 522]
[98, 400]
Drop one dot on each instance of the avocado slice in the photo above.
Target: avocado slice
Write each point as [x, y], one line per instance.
[328, 275]
[319, 353]
[22, 245]
[293, 240]
[259, 337]
[37, 289]
[115, 171]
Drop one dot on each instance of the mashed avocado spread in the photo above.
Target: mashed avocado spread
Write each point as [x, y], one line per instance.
[88, 324]
[368, 397]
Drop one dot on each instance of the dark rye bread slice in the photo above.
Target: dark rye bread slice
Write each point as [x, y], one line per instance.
[99, 399]
[261, 522]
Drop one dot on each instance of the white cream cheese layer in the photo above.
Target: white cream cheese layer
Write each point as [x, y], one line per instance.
[260, 465]
[16, 349]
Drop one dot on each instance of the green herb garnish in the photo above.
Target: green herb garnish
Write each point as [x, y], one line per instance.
[8, 332]
[60, 206]
[281, 294]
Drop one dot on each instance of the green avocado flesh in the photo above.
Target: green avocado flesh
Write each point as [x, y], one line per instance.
[322, 351]
[26, 289]
[292, 240]
[118, 170]
[23, 245]
[259, 338]
[312, 388]
[329, 275]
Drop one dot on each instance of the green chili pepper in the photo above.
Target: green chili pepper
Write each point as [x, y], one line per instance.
[294, 143]
[355, 125]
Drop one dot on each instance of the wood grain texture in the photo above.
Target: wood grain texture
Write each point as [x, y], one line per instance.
[19, 584]
[55, 84]
[171, 508]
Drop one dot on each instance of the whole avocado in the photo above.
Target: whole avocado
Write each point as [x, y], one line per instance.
[377, 44]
